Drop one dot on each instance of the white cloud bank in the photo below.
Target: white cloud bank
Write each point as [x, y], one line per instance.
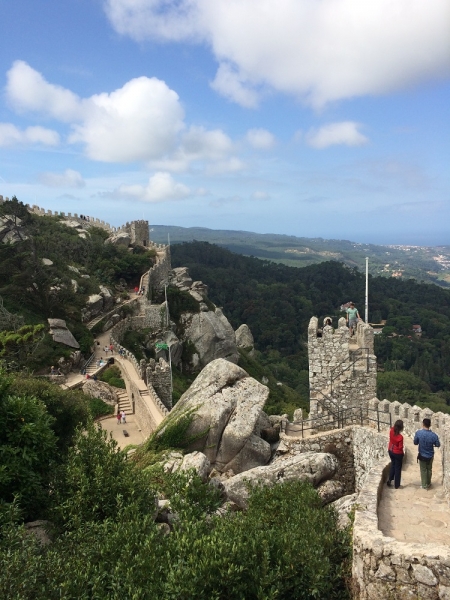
[161, 187]
[10, 135]
[319, 51]
[139, 121]
[343, 133]
[68, 179]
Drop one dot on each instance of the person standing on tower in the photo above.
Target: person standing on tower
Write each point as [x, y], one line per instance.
[352, 317]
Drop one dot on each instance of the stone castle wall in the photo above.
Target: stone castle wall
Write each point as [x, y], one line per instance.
[342, 370]
[158, 276]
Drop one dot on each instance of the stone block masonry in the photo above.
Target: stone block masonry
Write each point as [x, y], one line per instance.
[342, 370]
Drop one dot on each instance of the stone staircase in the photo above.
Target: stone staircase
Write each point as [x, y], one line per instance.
[124, 401]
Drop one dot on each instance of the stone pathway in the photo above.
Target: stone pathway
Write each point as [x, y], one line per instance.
[411, 514]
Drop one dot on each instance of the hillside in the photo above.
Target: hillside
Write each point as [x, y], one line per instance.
[428, 264]
[277, 301]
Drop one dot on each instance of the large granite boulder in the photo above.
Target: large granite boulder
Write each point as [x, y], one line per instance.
[99, 389]
[119, 239]
[60, 333]
[181, 278]
[94, 305]
[212, 336]
[344, 506]
[198, 462]
[227, 404]
[108, 298]
[244, 337]
[314, 467]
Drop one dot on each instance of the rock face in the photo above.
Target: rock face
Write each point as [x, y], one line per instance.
[10, 232]
[227, 404]
[244, 337]
[314, 467]
[108, 298]
[119, 239]
[197, 461]
[60, 333]
[343, 507]
[99, 389]
[212, 335]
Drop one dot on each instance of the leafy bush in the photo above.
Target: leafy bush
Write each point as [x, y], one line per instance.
[27, 447]
[286, 546]
[98, 408]
[113, 376]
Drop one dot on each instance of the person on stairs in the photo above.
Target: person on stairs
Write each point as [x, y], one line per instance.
[427, 440]
[396, 454]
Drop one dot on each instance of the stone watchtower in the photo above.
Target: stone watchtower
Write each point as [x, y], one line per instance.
[140, 233]
[342, 369]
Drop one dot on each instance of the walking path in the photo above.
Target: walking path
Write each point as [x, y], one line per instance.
[411, 514]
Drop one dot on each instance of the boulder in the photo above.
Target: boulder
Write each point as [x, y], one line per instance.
[198, 462]
[330, 491]
[119, 239]
[94, 305]
[47, 262]
[181, 277]
[313, 467]
[100, 389]
[227, 405]
[244, 337]
[108, 298]
[343, 507]
[40, 530]
[60, 333]
[212, 336]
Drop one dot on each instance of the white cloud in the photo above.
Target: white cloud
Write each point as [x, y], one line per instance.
[140, 121]
[231, 165]
[68, 179]
[10, 135]
[318, 51]
[344, 133]
[161, 187]
[261, 139]
[27, 91]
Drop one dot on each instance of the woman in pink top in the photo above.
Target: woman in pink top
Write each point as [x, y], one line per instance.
[396, 453]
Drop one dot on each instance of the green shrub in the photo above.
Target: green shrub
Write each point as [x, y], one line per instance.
[113, 376]
[98, 408]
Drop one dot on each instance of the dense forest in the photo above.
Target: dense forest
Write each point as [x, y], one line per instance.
[277, 301]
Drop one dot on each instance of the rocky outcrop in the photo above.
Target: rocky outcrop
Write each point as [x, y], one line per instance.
[94, 305]
[119, 239]
[101, 390]
[11, 230]
[330, 491]
[198, 462]
[227, 405]
[344, 506]
[60, 333]
[313, 467]
[108, 298]
[244, 337]
[212, 336]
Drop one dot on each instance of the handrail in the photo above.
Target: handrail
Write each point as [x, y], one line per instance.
[339, 422]
[354, 360]
[88, 362]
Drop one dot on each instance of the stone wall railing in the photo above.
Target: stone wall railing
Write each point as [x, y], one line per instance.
[386, 568]
[117, 333]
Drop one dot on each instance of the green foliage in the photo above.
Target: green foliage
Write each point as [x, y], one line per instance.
[27, 447]
[136, 342]
[181, 382]
[97, 482]
[17, 346]
[172, 433]
[180, 302]
[68, 408]
[99, 408]
[286, 546]
[113, 376]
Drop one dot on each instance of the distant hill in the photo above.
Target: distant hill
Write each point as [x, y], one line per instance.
[428, 264]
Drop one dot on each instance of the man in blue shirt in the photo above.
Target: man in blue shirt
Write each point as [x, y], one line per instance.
[426, 440]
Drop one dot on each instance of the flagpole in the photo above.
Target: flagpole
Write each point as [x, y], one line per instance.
[366, 312]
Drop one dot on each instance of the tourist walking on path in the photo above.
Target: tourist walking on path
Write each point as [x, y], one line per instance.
[396, 454]
[352, 317]
[124, 417]
[427, 440]
[119, 417]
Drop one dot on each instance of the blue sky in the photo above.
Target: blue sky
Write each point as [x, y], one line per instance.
[325, 118]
